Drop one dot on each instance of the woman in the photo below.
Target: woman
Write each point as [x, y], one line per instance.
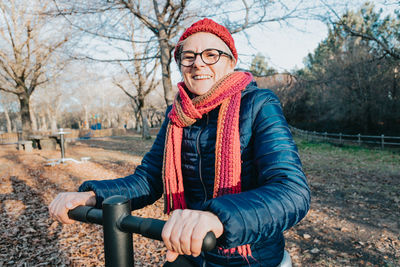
[224, 159]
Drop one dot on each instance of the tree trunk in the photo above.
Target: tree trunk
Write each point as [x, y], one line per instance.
[43, 122]
[52, 119]
[9, 127]
[14, 126]
[145, 126]
[166, 67]
[33, 119]
[108, 123]
[25, 115]
[54, 124]
[130, 124]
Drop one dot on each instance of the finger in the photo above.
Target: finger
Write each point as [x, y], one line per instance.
[58, 206]
[61, 209]
[176, 232]
[186, 235]
[63, 215]
[71, 204]
[53, 205]
[196, 242]
[171, 256]
[167, 229]
[51, 208]
[55, 208]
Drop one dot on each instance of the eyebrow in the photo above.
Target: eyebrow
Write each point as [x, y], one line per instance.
[220, 49]
[183, 51]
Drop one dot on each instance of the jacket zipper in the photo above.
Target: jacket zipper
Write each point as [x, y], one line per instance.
[198, 152]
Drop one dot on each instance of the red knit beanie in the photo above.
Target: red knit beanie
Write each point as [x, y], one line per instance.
[208, 25]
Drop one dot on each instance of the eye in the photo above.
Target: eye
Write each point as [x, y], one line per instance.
[211, 53]
[187, 56]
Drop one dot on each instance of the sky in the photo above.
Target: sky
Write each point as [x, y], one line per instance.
[284, 47]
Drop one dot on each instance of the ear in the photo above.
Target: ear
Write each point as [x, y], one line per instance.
[232, 64]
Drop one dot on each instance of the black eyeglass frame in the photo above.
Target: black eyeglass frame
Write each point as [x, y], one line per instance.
[220, 53]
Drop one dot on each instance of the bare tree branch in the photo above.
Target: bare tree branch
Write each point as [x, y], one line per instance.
[28, 50]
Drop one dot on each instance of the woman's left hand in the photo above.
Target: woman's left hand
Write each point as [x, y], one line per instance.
[185, 230]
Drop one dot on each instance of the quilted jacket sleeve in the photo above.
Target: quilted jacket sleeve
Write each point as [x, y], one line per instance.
[143, 187]
[282, 196]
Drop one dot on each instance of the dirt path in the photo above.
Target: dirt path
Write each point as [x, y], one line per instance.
[353, 221]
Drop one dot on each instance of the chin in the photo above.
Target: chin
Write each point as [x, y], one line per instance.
[200, 91]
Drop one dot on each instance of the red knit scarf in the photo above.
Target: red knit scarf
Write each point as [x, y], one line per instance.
[185, 111]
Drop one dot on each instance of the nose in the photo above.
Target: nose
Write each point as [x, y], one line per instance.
[198, 61]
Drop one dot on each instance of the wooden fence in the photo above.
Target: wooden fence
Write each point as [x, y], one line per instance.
[8, 138]
[340, 138]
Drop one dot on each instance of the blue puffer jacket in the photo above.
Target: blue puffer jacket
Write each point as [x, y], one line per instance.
[275, 195]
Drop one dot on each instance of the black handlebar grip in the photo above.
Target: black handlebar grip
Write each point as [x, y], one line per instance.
[79, 213]
[209, 242]
[86, 214]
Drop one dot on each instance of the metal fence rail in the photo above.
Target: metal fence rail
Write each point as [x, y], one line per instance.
[340, 138]
[118, 226]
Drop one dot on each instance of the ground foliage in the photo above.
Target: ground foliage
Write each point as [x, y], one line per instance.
[353, 221]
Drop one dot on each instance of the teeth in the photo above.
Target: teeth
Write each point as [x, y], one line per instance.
[199, 77]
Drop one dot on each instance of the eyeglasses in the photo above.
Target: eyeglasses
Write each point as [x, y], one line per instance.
[209, 56]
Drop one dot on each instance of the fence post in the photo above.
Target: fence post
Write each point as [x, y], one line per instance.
[359, 139]
[326, 137]
[383, 141]
[314, 135]
[118, 245]
[340, 138]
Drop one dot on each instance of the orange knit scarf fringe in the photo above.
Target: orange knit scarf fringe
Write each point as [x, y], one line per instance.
[185, 111]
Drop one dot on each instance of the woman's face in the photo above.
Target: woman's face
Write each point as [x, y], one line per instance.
[200, 77]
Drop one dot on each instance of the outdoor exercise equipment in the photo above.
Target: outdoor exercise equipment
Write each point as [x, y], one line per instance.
[63, 159]
[118, 226]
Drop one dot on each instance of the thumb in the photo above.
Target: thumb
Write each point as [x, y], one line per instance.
[171, 256]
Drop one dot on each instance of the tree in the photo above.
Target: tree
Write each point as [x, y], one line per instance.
[165, 20]
[349, 83]
[142, 77]
[88, 96]
[371, 26]
[9, 106]
[27, 57]
[259, 66]
[45, 104]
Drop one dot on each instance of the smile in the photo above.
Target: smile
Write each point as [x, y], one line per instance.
[201, 77]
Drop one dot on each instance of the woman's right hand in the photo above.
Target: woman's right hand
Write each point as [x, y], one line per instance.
[66, 201]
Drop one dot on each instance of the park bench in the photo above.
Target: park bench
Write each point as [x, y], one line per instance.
[25, 145]
[44, 142]
[49, 142]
